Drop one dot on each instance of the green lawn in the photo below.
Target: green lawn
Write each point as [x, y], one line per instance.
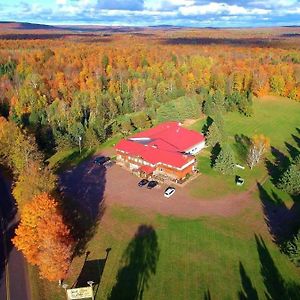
[183, 259]
[71, 157]
[193, 259]
[278, 118]
[275, 117]
[67, 158]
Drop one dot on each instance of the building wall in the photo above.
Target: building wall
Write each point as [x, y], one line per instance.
[196, 149]
[174, 173]
[134, 163]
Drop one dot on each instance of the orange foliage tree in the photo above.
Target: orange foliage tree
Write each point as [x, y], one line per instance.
[44, 238]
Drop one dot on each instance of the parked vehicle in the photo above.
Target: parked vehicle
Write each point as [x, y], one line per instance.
[152, 184]
[169, 192]
[239, 180]
[101, 160]
[143, 182]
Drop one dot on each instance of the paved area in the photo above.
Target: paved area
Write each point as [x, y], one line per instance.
[13, 276]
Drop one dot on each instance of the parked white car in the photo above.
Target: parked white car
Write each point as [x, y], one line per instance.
[169, 192]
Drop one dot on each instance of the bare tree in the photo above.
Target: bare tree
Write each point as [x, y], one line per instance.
[259, 145]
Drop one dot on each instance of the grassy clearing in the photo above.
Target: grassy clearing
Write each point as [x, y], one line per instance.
[274, 117]
[202, 256]
[110, 142]
[194, 256]
[68, 158]
[64, 159]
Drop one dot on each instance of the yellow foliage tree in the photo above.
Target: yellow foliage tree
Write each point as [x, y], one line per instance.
[260, 144]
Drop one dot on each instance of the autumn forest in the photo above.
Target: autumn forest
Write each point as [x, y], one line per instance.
[64, 89]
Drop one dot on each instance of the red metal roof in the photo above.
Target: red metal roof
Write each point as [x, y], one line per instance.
[147, 169]
[153, 155]
[162, 144]
[174, 134]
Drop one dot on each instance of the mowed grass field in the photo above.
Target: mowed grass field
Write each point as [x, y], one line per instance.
[183, 259]
[276, 117]
[205, 258]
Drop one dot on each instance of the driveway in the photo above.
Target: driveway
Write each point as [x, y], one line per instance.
[92, 185]
[122, 189]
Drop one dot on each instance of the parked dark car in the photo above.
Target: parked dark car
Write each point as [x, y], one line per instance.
[101, 160]
[239, 180]
[143, 182]
[152, 184]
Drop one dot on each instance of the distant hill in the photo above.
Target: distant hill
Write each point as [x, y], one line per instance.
[33, 28]
[25, 26]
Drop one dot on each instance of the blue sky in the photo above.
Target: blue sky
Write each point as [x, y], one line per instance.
[198, 13]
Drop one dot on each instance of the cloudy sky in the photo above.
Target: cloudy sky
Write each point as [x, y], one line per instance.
[200, 13]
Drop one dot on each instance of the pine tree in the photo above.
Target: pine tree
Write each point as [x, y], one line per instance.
[214, 135]
[290, 180]
[225, 162]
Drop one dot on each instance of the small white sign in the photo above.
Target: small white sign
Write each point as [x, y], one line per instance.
[80, 293]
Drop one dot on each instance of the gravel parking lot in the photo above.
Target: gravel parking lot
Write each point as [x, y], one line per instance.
[91, 184]
[122, 188]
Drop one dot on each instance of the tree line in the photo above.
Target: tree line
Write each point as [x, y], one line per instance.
[79, 92]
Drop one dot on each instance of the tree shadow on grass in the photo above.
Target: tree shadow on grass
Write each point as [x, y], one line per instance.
[207, 295]
[297, 138]
[282, 222]
[214, 154]
[280, 165]
[139, 264]
[276, 287]
[92, 270]
[242, 145]
[293, 151]
[248, 292]
[75, 157]
[206, 126]
[82, 191]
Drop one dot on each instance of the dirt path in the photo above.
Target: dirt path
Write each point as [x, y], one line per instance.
[121, 188]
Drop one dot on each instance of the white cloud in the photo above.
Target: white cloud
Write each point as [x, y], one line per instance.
[116, 13]
[167, 4]
[61, 2]
[276, 3]
[290, 11]
[220, 8]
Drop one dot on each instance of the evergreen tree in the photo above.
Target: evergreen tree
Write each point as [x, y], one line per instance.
[292, 249]
[225, 162]
[290, 180]
[214, 135]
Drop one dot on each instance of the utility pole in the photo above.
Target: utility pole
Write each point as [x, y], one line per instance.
[90, 283]
[79, 142]
[65, 286]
